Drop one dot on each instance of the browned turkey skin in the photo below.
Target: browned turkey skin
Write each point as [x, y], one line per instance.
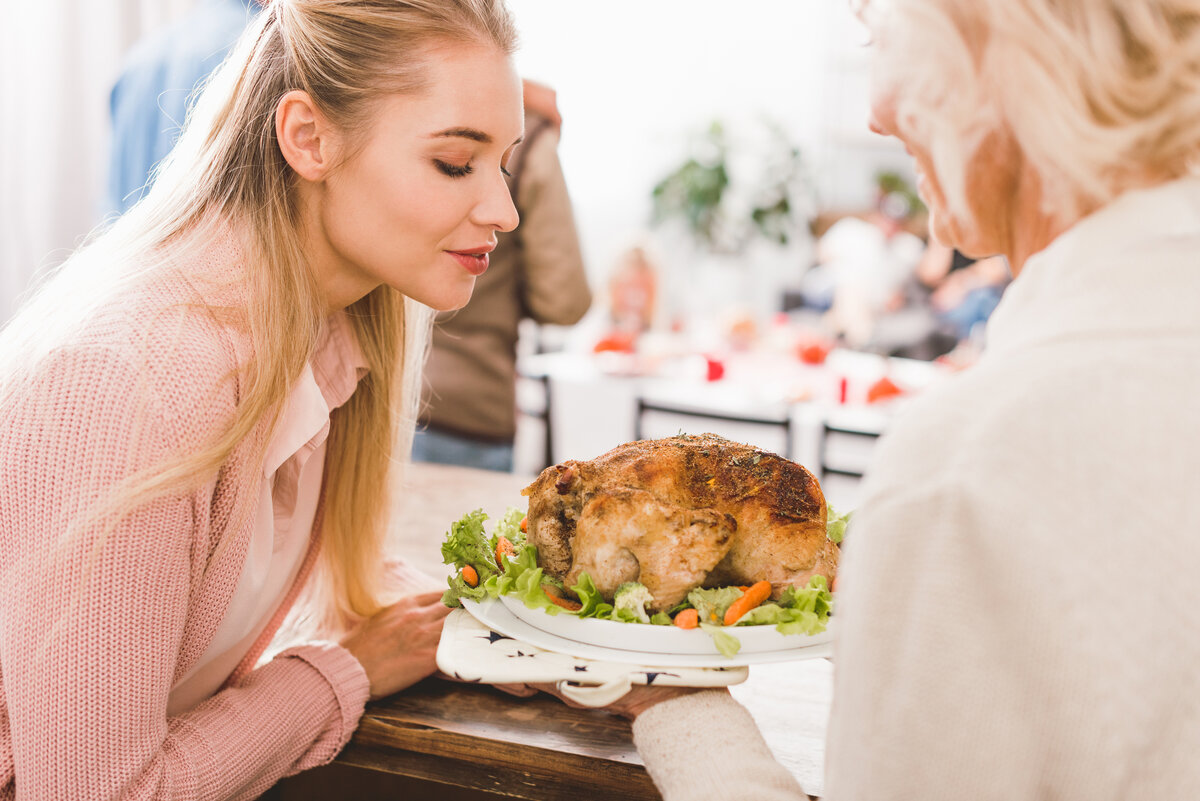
[678, 513]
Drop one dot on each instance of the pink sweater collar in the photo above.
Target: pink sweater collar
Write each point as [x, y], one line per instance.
[326, 382]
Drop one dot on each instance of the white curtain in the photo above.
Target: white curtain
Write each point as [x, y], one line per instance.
[58, 60]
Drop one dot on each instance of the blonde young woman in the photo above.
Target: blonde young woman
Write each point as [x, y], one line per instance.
[204, 408]
[1019, 611]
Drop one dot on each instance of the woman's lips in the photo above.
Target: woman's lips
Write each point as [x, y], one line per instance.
[474, 262]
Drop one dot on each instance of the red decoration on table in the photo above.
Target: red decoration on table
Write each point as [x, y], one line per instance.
[616, 342]
[812, 352]
[882, 390]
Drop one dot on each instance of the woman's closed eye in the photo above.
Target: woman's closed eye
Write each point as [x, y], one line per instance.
[453, 170]
[460, 170]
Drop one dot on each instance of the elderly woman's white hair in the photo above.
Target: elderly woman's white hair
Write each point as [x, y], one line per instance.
[1100, 97]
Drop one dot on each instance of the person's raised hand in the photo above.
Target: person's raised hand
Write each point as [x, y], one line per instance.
[542, 99]
[398, 646]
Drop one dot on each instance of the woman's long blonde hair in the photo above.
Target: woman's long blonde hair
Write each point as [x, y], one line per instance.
[227, 173]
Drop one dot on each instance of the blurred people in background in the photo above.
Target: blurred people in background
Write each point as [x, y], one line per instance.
[864, 269]
[947, 306]
[149, 101]
[632, 293]
[537, 272]
[885, 290]
[963, 292]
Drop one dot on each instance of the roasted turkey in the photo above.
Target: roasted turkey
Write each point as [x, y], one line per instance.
[679, 513]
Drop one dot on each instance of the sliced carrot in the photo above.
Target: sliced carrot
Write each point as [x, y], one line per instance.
[758, 592]
[565, 603]
[687, 619]
[504, 547]
[470, 576]
[525, 524]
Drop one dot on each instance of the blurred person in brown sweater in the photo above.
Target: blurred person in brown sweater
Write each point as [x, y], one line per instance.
[536, 272]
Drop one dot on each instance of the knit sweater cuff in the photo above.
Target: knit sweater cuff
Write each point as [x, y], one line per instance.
[350, 686]
[706, 745]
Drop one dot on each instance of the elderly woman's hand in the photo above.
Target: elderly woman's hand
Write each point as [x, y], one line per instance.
[398, 646]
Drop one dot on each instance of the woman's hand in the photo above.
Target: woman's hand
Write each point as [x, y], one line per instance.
[398, 646]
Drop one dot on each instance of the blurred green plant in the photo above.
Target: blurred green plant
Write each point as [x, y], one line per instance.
[695, 189]
[772, 213]
[698, 192]
[893, 183]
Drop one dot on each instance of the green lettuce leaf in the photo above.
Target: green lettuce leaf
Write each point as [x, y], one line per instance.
[523, 579]
[835, 524]
[803, 623]
[593, 602]
[800, 610]
[510, 527]
[466, 544]
[502, 584]
[711, 604]
[814, 598]
[528, 588]
[460, 589]
[765, 614]
[726, 643]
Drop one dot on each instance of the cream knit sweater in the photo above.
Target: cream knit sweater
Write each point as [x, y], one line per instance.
[93, 634]
[1019, 605]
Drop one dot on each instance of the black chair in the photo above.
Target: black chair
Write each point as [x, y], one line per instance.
[828, 430]
[541, 414]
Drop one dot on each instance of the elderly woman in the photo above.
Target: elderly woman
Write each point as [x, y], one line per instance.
[1020, 611]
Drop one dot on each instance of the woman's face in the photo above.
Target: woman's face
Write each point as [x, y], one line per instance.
[992, 178]
[418, 201]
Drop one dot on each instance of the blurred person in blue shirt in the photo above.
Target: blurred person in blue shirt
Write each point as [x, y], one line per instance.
[149, 100]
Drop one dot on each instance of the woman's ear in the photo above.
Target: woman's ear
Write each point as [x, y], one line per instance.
[305, 137]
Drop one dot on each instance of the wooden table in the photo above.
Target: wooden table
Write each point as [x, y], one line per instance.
[453, 742]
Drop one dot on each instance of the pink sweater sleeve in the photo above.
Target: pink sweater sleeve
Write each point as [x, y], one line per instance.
[93, 628]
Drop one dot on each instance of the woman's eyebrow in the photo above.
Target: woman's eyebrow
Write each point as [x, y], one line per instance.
[474, 134]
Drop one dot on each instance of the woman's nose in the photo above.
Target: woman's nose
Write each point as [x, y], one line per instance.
[496, 210]
[882, 115]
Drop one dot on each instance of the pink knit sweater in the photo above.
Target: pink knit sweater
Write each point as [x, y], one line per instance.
[94, 633]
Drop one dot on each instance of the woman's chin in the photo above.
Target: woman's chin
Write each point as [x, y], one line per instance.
[446, 298]
[446, 304]
[946, 230]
